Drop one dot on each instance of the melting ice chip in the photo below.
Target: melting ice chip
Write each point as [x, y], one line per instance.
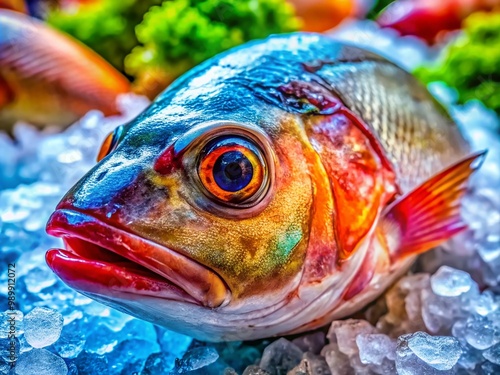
[42, 327]
[38, 279]
[280, 353]
[40, 362]
[493, 354]
[11, 320]
[197, 358]
[373, 348]
[486, 303]
[440, 352]
[449, 282]
[344, 333]
[480, 332]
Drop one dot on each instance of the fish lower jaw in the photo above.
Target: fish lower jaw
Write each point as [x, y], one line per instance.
[105, 277]
[102, 259]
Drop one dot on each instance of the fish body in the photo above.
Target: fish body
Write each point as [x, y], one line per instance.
[46, 78]
[272, 189]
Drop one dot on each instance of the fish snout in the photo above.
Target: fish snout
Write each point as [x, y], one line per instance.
[105, 190]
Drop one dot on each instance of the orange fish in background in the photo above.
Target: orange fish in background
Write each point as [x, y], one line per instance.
[47, 77]
[37, 8]
[322, 15]
[430, 19]
[17, 5]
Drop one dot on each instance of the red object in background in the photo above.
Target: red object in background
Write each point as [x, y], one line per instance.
[429, 19]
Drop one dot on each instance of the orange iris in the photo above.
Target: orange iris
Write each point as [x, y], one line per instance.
[231, 172]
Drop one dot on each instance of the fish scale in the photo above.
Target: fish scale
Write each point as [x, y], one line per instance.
[419, 137]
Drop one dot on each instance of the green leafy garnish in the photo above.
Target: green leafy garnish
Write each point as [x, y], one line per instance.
[471, 64]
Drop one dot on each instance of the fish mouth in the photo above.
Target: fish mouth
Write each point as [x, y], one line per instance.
[101, 259]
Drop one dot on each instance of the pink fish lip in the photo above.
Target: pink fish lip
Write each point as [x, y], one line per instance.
[102, 259]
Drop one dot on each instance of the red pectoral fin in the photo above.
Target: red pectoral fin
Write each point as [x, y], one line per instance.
[430, 214]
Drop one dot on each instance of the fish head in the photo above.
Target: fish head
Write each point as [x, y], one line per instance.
[198, 215]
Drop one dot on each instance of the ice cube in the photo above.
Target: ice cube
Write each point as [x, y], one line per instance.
[71, 341]
[255, 370]
[489, 368]
[408, 363]
[72, 369]
[470, 357]
[337, 361]
[486, 303]
[197, 358]
[158, 363]
[39, 278]
[480, 332]
[42, 326]
[173, 346]
[9, 349]
[440, 352]
[489, 249]
[101, 341]
[344, 332]
[23, 345]
[280, 357]
[114, 319]
[5, 368]
[450, 282]
[90, 363]
[493, 354]
[11, 322]
[174, 342]
[311, 365]
[130, 352]
[237, 354]
[312, 342]
[404, 298]
[413, 307]
[40, 362]
[138, 329]
[373, 348]
[439, 313]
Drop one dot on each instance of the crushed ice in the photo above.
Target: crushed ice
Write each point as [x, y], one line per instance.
[444, 319]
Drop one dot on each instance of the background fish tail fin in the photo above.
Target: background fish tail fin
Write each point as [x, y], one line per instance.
[430, 214]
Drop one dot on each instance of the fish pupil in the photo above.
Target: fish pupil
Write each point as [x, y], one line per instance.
[232, 171]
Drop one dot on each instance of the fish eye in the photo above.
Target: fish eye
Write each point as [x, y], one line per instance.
[232, 170]
[110, 143]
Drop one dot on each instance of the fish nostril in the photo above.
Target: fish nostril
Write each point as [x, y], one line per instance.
[101, 175]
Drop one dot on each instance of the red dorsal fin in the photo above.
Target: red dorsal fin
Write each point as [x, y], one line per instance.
[430, 214]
